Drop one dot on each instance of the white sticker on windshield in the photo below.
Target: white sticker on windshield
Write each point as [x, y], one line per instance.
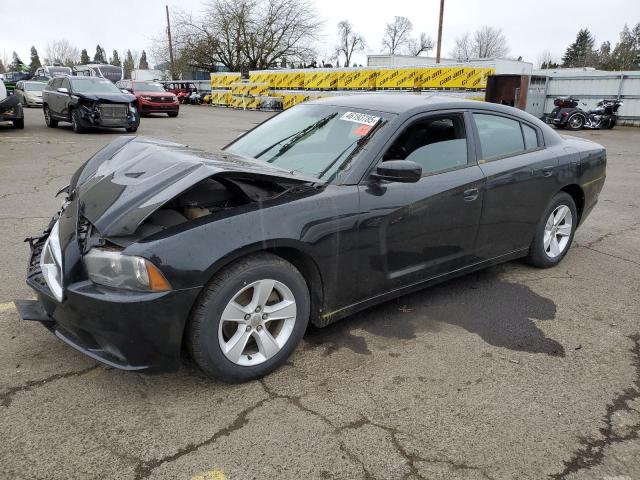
[360, 118]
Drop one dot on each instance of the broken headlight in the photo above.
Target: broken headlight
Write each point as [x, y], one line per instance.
[113, 269]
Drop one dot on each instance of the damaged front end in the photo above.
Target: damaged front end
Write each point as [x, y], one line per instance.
[105, 113]
[100, 288]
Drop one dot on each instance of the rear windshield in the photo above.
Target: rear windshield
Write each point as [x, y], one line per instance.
[59, 71]
[111, 72]
[93, 85]
[148, 87]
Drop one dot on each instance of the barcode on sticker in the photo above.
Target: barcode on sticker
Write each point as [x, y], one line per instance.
[360, 118]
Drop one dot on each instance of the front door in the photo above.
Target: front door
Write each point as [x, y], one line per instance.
[414, 231]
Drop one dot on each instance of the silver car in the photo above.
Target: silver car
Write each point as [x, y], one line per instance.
[30, 93]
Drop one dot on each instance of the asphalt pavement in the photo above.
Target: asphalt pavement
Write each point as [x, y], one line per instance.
[509, 373]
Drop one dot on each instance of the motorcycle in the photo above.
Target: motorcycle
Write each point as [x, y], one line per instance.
[568, 115]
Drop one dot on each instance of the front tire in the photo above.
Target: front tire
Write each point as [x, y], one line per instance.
[554, 232]
[249, 319]
[172, 114]
[18, 123]
[51, 123]
[76, 122]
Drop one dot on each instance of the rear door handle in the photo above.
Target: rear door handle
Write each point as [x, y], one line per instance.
[547, 171]
[471, 194]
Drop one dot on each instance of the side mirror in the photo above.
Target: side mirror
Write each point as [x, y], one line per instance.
[403, 171]
[63, 90]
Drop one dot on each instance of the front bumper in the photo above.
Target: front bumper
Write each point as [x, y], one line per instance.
[92, 117]
[158, 107]
[124, 329]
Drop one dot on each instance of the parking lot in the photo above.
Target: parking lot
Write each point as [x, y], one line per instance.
[510, 373]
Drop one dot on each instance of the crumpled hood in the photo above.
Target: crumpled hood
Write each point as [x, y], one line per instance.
[126, 181]
[108, 97]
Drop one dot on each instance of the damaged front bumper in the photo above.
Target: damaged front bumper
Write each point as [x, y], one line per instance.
[93, 116]
[128, 330]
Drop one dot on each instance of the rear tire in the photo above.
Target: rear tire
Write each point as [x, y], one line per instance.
[249, 319]
[51, 123]
[18, 123]
[575, 122]
[554, 232]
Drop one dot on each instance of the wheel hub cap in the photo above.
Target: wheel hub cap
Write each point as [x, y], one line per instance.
[257, 322]
[557, 231]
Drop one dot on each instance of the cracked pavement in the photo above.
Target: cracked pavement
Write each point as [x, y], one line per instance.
[509, 373]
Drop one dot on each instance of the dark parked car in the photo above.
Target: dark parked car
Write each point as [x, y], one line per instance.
[151, 97]
[88, 102]
[326, 209]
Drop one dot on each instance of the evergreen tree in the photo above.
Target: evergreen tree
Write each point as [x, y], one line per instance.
[16, 64]
[580, 53]
[35, 60]
[143, 64]
[115, 59]
[626, 54]
[605, 61]
[128, 65]
[84, 57]
[99, 55]
[2, 69]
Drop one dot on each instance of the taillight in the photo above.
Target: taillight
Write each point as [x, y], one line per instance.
[565, 114]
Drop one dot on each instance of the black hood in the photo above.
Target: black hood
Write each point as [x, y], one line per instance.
[107, 97]
[125, 182]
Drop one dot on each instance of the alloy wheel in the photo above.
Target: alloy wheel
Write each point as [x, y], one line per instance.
[557, 231]
[576, 122]
[257, 322]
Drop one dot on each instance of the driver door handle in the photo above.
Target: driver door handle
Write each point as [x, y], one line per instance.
[471, 194]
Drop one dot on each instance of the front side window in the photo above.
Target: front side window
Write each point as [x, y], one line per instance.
[316, 140]
[435, 143]
[499, 136]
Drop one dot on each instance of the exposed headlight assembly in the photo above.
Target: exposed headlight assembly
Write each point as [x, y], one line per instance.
[113, 269]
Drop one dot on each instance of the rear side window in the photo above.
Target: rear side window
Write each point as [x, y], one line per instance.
[499, 136]
[530, 137]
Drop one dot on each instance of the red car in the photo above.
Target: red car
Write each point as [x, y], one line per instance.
[151, 97]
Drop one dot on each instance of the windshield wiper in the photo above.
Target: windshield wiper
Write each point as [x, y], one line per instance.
[302, 134]
[359, 144]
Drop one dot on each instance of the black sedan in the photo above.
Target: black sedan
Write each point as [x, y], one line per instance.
[326, 209]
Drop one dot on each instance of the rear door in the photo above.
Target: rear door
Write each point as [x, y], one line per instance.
[414, 231]
[521, 177]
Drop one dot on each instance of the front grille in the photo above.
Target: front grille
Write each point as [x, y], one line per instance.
[115, 113]
[34, 272]
[162, 99]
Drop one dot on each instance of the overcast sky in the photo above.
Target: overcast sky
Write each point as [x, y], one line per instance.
[530, 26]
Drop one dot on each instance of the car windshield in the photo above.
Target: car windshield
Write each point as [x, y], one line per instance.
[34, 86]
[59, 70]
[148, 87]
[93, 85]
[316, 140]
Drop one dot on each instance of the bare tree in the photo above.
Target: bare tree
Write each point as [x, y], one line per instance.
[349, 41]
[422, 44]
[397, 35]
[489, 42]
[547, 60]
[61, 51]
[463, 49]
[246, 34]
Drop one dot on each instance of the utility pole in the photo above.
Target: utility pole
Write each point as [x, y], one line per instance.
[171, 44]
[440, 32]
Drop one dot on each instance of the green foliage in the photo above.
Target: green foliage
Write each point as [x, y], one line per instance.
[100, 55]
[35, 60]
[115, 59]
[143, 64]
[16, 64]
[580, 53]
[84, 57]
[128, 65]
